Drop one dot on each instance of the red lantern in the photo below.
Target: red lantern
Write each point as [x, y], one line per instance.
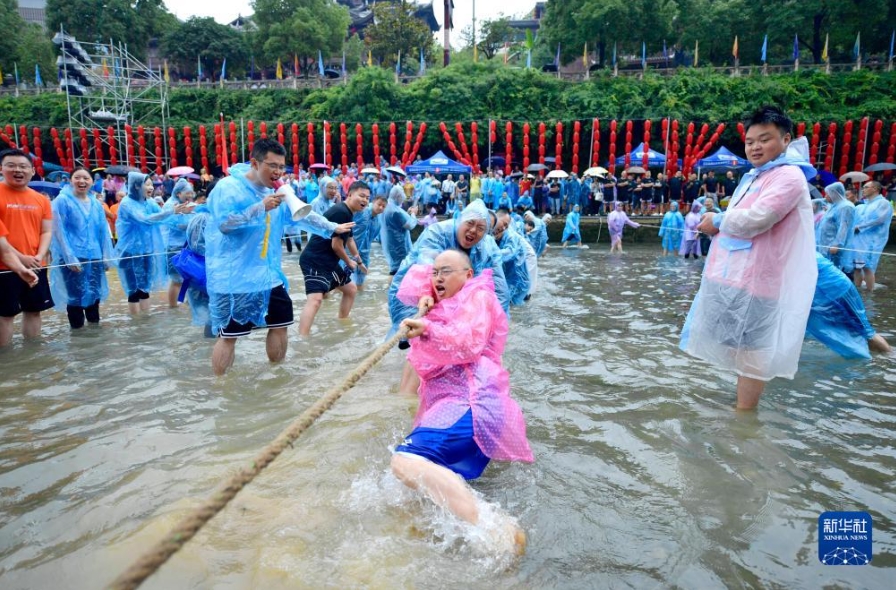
[541, 141]
[310, 129]
[459, 129]
[492, 136]
[294, 146]
[263, 129]
[474, 141]
[595, 146]
[393, 145]
[508, 147]
[526, 130]
[420, 132]
[23, 139]
[281, 135]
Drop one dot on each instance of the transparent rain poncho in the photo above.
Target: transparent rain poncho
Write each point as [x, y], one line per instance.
[140, 251]
[80, 235]
[243, 253]
[837, 318]
[672, 228]
[751, 309]
[395, 231]
[174, 228]
[616, 222]
[872, 230]
[516, 270]
[195, 234]
[458, 360]
[690, 235]
[365, 231]
[443, 236]
[835, 229]
[571, 230]
[538, 237]
[321, 203]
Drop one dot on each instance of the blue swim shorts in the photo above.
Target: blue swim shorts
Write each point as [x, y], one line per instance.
[453, 448]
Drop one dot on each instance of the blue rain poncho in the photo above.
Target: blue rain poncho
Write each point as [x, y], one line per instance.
[538, 237]
[140, 251]
[504, 201]
[512, 189]
[175, 227]
[672, 228]
[310, 189]
[443, 236]
[198, 298]
[80, 235]
[571, 231]
[835, 229]
[239, 278]
[525, 201]
[516, 271]
[321, 204]
[395, 231]
[837, 318]
[872, 230]
[365, 230]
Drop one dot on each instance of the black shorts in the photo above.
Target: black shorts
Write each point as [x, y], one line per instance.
[324, 281]
[16, 296]
[279, 314]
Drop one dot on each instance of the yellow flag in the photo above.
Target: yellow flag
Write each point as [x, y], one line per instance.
[475, 54]
[369, 58]
[585, 57]
[105, 69]
[279, 69]
[824, 52]
[696, 53]
[167, 78]
[734, 49]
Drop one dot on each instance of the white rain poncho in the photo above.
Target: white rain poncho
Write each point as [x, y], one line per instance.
[516, 270]
[443, 236]
[872, 230]
[140, 251]
[321, 203]
[395, 230]
[242, 245]
[751, 310]
[80, 235]
[836, 226]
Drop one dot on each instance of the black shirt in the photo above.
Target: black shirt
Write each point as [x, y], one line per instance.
[730, 184]
[319, 253]
[622, 188]
[674, 188]
[711, 184]
[691, 190]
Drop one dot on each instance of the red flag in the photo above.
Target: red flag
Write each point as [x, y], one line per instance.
[225, 169]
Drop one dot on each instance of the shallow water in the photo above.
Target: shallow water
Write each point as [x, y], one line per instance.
[644, 476]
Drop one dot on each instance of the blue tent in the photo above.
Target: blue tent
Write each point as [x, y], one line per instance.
[654, 158]
[439, 164]
[722, 159]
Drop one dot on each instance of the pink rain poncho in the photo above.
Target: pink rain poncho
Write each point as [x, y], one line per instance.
[617, 220]
[751, 310]
[459, 363]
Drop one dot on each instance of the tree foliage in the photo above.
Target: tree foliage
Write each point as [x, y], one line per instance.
[25, 45]
[396, 29]
[203, 38]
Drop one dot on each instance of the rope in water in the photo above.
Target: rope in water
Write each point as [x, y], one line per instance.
[187, 528]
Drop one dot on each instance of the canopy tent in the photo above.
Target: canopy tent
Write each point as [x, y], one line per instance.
[439, 164]
[636, 158]
[722, 159]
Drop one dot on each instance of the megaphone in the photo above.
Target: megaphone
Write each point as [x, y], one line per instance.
[297, 206]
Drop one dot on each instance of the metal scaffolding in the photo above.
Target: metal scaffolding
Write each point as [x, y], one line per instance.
[105, 86]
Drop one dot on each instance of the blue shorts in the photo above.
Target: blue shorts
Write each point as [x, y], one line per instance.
[452, 447]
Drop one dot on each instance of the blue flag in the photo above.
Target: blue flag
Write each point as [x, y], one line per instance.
[320, 63]
[398, 64]
[764, 57]
[37, 79]
[643, 55]
[343, 64]
[796, 47]
[665, 53]
[422, 64]
[17, 73]
[224, 70]
[528, 59]
[198, 68]
[892, 39]
[557, 57]
[614, 53]
[857, 48]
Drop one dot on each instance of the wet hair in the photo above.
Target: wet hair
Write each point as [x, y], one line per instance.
[265, 146]
[12, 153]
[770, 114]
[358, 185]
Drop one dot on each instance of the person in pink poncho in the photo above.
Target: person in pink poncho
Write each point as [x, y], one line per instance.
[466, 416]
[617, 220]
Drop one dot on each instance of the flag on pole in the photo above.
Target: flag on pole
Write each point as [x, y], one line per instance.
[320, 63]
[824, 52]
[369, 58]
[105, 68]
[16, 66]
[37, 79]
[223, 76]
[198, 68]
[279, 69]
[857, 48]
[643, 55]
[665, 51]
[734, 49]
[344, 72]
[506, 52]
[398, 64]
[475, 53]
[225, 168]
[696, 53]
[422, 64]
[166, 76]
[295, 65]
[528, 58]
[892, 39]
[764, 57]
[557, 57]
[796, 48]
[614, 53]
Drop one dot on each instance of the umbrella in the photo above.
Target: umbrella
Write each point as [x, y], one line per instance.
[516, 175]
[854, 177]
[635, 170]
[370, 170]
[815, 193]
[880, 167]
[57, 175]
[396, 170]
[826, 177]
[596, 171]
[536, 168]
[100, 169]
[120, 170]
[318, 167]
[530, 176]
[193, 176]
[557, 174]
[50, 188]
[180, 171]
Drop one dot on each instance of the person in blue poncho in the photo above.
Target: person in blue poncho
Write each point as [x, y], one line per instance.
[80, 244]
[246, 285]
[525, 202]
[514, 256]
[672, 230]
[571, 232]
[395, 231]
[174, 231]
[837, 318]
[834, 232]
[197, 292]
[140, 250]
[538, 234]
[469, 234]
[872, 230]
[328, 195]
[366, 230]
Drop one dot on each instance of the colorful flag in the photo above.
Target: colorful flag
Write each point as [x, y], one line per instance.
[892, 39]
[643, 55]
[696, 53]
[614, 53]
[279, 69]
[198, 68]
[585, 57]
[166, 76]
[475, 53]
[506, 52]
[796, 48]
[295, 65]
[857, 48]
[16, 66]
[824, 52]
[370, 59]
[398, 64]
[764, 57]
[320, 63]
[105, 68]
[37, 79]
[734, 49]
[223, 76]
[528, 58]
[422, 64]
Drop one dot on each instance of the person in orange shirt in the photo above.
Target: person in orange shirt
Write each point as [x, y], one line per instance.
[27, 216]
[9, 257]
[114, 210]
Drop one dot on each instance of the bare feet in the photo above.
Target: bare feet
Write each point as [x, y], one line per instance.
[879, 344]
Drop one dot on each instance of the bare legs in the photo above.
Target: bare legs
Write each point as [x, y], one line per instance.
[225, 350]
[410, 381]
[748, 392]
[31, 324]
[868, 275]
[314, 300]
[444, 487]
[173, 292]
[5, 331]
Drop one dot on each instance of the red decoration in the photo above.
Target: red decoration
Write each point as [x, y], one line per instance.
[526, 130]
[408, 137]
[459, 129]
[38, 151]
[294, 146]
[141, 141]
[310, 129]
[393, 145]
[628, 143]
[860, 146]
[420, 133]
[263, 129]
[508, 147]
[343, 146]
[474, 141]
[188, 146]
[612, 163]
[203, 148]
[328, 141]
[97, 147]
[492, 136]
[891, 150]
[360, 148]
[376, 144]
[23, 139]
[558, 142]
[595, 146]
[646, 158]
[541, 140]
[576, 128]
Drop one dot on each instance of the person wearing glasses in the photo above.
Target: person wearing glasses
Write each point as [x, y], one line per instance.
[246, 285]
[175, 230]
[462, 422]
[28, 220]
[872, 230]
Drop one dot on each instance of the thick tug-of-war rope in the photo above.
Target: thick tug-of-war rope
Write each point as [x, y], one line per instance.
[187, 528]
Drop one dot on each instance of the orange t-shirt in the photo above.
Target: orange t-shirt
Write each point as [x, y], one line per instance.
[22, 213]
[3, 231]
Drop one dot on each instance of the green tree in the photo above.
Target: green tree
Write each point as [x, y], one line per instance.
[298, 27]
[494, 34]
[203, 38]
[396, 29]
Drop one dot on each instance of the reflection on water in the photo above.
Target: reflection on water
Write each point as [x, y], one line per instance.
[644, 477]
